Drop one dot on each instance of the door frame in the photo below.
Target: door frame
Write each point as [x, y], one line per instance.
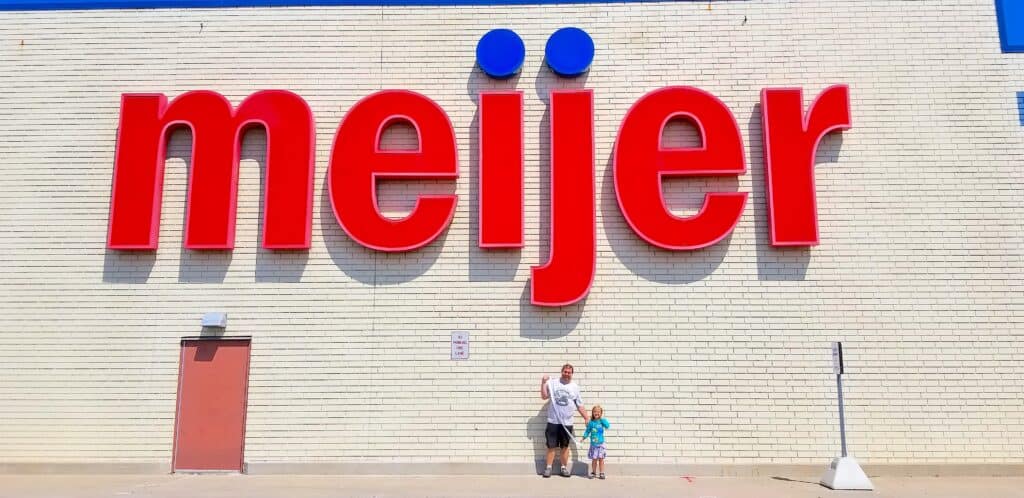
[177, 401]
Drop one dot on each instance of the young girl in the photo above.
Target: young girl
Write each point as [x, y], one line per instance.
[595, 429]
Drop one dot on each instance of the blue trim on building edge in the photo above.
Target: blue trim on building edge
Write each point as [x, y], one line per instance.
[10, 5]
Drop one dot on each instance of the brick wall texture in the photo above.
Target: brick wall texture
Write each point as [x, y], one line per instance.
[715, 356]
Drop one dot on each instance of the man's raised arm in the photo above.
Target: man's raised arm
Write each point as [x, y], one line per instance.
[544, 394]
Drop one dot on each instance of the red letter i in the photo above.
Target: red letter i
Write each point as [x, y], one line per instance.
[501, 169]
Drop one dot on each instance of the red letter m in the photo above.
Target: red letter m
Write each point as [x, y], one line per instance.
[217, 129]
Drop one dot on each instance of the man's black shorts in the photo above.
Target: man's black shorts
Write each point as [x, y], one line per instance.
[556, 436]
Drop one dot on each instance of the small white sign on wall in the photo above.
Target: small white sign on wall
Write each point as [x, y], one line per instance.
[460, 345]
[837, 358]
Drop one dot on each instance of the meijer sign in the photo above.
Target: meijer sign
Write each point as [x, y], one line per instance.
[791, 137]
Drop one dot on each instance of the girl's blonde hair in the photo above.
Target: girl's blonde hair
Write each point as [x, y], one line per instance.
[596, 408]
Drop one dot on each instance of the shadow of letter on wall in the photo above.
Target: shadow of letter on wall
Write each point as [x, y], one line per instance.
[653, 263]
[485, 265]
[778, 263]
[194, 266]
[278, 265]
[128, 267]
[546, 323]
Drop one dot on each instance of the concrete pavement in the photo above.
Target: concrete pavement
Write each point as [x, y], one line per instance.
[239, 486]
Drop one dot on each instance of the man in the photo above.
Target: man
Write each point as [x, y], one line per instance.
[564, 395]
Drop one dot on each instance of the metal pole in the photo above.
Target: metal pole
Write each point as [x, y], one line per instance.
[842, 418]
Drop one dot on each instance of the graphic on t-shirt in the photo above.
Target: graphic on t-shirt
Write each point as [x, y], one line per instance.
[564, 398]
[561, 397]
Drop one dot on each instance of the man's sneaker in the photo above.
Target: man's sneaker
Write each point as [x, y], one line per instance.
[565, 471]
[593, 475]
[602, 476]
[547, 472]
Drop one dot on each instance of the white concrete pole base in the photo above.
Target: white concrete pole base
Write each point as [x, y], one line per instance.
[845, 473]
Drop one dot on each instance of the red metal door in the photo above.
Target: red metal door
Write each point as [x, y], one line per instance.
[209, 428]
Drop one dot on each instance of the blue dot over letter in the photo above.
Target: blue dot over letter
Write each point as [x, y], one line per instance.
[1011, 24]
[569, 52]
[500, 53]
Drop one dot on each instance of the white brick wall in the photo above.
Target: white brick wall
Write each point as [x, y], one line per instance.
[714, 356]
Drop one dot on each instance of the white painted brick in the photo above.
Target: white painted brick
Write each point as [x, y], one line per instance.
[714, 356]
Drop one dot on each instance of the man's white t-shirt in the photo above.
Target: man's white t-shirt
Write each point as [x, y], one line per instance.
[564, 400]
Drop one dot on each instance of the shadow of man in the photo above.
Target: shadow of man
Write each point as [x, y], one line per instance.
[536, 428]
